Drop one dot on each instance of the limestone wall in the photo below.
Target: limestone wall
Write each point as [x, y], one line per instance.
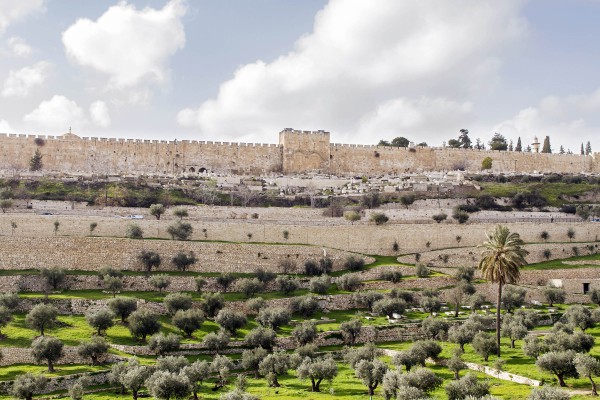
[297, 152]
[93, 253]
[332, 233]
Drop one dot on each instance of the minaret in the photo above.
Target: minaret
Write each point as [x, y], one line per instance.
[536, 144]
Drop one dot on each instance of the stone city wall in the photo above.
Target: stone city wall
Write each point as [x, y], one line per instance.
[297, 152]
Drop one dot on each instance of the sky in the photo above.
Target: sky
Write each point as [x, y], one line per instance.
[243, 70]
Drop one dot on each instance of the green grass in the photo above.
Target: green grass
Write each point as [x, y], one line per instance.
[558, 263]
[12, 371]
[553, 192]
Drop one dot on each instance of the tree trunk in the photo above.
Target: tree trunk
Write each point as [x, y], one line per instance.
[371, 390]
[498, 303]
[314, 386]
[50, 366]
[275, 381]
[319, 384]
[594, 390]
[561, 381]
[134, 393]
[456, 309]
[456, 375]
[195, 395]
[512, 343]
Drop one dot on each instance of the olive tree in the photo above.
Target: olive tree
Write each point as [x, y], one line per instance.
[160, 282]
[156, 210]
[317, 370]
[162, 344]
[28, 385]
[273, 365]
[41, 316]
[47, 348]
[273, 317]
[54, 276]
[134, 378]
[261, 337]
[164, 385]
[216, 341]
[100, 320]
[484, 345]
[180, 230]
[221, 365]
[559, 363]
[188, 321]
[587, 367]
[177, 301]
[198, 372]
[231, 321]
[142, 323]
[149, 260]
[122, 307]
[548, 393]
[305, 333]
[212, 303]
[371, 373]
[467, 386]
[351, 329]
[93, 349]
[183, 261]
[251, 359]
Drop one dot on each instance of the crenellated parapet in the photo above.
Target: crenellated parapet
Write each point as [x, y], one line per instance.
[297, 152]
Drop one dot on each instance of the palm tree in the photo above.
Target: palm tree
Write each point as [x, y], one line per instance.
[500, 262]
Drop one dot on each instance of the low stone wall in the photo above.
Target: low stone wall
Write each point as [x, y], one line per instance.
[470, 256]
[22, 355]
[93, 253]
[63, 382]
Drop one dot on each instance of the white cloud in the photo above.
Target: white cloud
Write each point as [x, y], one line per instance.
[417, 119]
[57, 113]
[99, 114]
[18, 47]
[363, 61]
[21, 81]
[14, 10]
[4, 126]
[131, 46]
[568, 120]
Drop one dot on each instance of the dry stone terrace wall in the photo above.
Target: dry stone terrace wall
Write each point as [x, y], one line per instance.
[297, 152]
[470, 256]
[93, 253]
[332, 233]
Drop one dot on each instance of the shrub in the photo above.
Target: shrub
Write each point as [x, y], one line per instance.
[134, 231]
[348, 282]
[379, 218]
[393, 276]
[487, 163]
[180, 230]
[225, 280]
[460, 216]
[160, 282]
[407, 199]
[287, 266]
[319, 284]
[354, 263]
[28, 385]
[548, 393]
[547, 254]
[422, 271]
[439, 217]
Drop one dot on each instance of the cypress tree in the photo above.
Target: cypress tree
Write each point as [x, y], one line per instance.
[582, 151]
[562, 150]
[518, 147]
[546, 147]
[35, 163]
[588, 148]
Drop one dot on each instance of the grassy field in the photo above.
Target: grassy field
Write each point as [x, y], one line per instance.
[559, 264]
[553, 192]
